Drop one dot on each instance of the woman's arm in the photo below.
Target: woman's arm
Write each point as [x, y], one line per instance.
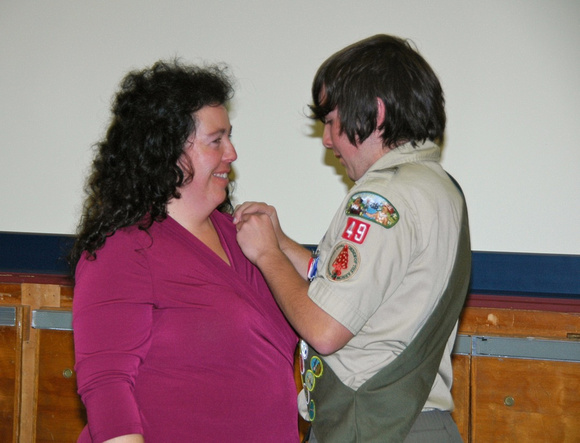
[112, 315]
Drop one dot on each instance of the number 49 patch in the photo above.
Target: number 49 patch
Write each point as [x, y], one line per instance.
[356, 230]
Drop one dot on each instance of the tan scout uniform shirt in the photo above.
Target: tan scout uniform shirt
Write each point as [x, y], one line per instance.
[385, 261]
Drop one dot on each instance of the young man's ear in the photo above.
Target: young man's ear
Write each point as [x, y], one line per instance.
[380, 112]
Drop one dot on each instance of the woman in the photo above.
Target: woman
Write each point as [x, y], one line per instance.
[177, 337]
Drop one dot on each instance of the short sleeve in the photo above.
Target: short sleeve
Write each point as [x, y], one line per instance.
[362, 262]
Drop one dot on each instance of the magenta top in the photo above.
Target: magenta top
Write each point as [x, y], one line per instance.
[174, 344]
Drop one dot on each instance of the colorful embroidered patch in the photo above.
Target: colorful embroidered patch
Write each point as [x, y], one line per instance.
[309, 380]
[316, 366]
[344, 262]
[356, 230]
[373, 207]
[311, 410]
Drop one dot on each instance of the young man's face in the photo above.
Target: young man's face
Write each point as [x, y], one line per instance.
[356, 159]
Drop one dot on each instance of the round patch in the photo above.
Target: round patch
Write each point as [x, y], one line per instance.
[311, 410]
[303, 349]
[309, 380]
[316, 366]
[344, 262]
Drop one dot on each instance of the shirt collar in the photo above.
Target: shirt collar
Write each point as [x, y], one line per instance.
[406, 153]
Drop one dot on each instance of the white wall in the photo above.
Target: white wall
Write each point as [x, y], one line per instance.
[510, 70]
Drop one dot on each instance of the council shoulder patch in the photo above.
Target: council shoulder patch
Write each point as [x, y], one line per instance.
[373, 207]
[344, 262]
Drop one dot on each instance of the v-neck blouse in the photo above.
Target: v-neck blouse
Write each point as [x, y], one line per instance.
[174, 343]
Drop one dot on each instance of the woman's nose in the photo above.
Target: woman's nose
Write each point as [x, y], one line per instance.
[230, 155]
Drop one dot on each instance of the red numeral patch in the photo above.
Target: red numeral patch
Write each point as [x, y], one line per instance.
[356, 230]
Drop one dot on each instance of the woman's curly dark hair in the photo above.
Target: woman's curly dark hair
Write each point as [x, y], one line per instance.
[136, 169]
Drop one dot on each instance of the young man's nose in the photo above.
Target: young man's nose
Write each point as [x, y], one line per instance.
[326, 139]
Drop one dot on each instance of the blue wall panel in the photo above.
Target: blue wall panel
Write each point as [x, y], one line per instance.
[547, 275]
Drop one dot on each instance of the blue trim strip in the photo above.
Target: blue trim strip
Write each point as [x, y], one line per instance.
[7, 316]
[516, 273]
[52, 320]
[505, 273]
[529, 348]
[498, 273]
[35, 253]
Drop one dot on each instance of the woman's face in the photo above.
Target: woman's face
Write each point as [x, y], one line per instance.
[211, 154]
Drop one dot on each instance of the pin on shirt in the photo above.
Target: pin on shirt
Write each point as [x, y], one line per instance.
[312, 267]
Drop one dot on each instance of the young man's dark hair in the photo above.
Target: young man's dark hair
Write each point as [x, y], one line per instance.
[386, 68]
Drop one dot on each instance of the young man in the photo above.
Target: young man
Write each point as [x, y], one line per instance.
[378, 302]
